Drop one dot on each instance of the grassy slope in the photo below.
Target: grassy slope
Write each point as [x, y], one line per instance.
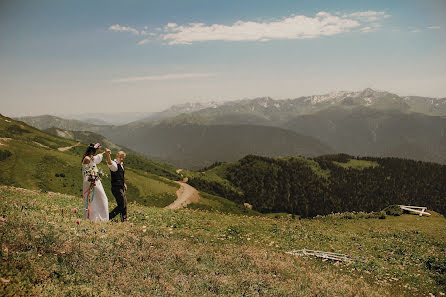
[214, 175]
[33, 166]
[315, 167]
[198, 253]
[222, 205]
[357, 164]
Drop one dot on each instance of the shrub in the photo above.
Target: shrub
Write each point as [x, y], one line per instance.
[14, 130]
[437, 266]
[393, 210]
[5, 154]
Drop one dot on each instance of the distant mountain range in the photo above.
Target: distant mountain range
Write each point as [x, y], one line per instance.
[195, 146]
[371, 132]
[85, 137]
[178, 109]
[367, 122]
[266, 110]
[49, 121]
[109, 118]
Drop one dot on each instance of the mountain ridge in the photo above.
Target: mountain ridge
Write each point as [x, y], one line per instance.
[366, 122]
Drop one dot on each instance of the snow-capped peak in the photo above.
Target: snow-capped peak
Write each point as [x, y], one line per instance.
[335, 97]
[194, 106]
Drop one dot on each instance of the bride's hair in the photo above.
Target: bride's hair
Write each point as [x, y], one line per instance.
[91, 149]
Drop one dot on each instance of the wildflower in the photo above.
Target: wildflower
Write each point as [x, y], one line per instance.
[131, 224]
[75, 210]
[3, 220]
[78, 221]
[139, 211]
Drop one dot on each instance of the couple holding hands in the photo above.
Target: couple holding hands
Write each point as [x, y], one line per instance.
[95, 200]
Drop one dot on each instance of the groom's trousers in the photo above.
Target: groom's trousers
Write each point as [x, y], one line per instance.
[121, 200]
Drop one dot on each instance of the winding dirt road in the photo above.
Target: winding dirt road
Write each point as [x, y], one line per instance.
[186, 194]
[63, 149]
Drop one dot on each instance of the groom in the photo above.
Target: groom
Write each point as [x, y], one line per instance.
[118, 184]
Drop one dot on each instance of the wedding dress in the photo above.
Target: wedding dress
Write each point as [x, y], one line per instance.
[94, 199]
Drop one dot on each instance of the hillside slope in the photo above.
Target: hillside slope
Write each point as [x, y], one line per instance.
[194, 145]
[30, 159]
[370, 132]
[194, 253]
[84, 137]
[48, 121]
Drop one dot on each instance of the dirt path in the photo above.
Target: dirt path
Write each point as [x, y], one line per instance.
[4, 140]
[186, 194]
[63, 149]
[41, 145]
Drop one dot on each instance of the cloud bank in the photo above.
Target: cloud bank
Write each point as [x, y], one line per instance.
[293, 27]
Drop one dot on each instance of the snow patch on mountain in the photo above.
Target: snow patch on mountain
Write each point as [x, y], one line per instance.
[192, 107]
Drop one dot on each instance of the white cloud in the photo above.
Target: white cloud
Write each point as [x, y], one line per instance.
[367, 29]
[144, 41]
[169, 76]
[146, 33]
[119, 28]
[371, 28]
[368, 16]
[293, 27]
[433, 27]
[416, 30]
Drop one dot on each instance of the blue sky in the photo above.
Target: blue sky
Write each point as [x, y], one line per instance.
[107, 56]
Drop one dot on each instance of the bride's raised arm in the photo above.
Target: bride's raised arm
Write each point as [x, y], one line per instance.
[98, 158]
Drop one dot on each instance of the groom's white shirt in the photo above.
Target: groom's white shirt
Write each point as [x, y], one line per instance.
[114, 165]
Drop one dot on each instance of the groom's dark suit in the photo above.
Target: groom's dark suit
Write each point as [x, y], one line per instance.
[118, 190]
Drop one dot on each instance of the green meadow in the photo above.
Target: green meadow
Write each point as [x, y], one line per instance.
[47, 250]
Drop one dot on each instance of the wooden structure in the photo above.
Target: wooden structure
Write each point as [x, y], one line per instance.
[321, 254]
[416, 209]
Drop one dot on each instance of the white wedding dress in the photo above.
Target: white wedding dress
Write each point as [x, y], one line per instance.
[99, 204]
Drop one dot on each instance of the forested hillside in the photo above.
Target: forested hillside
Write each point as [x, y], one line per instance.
[327, 184]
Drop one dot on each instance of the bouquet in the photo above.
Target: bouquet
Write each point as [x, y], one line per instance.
[94, 174]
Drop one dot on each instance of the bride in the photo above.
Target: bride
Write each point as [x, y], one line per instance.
[94, 199]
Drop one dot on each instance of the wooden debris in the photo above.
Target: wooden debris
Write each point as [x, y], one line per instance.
[321, 254]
